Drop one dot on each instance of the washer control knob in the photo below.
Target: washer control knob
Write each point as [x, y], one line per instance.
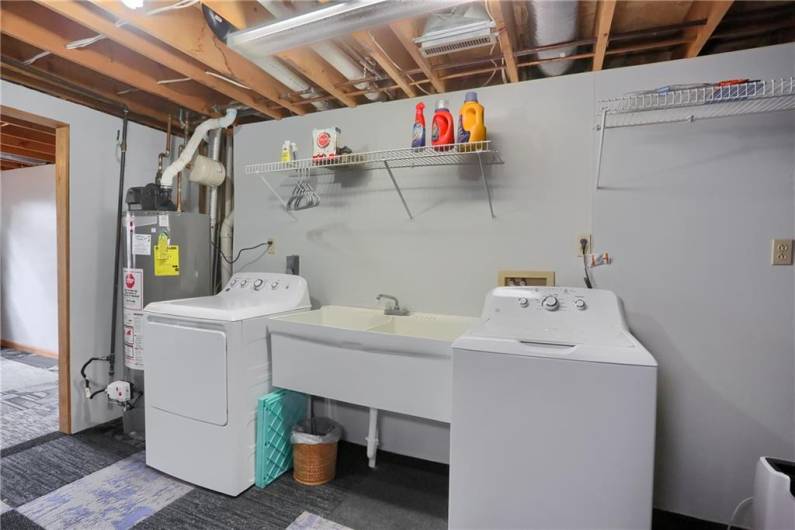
[274, 285]
[258, 284]
[523, 302]
[234, 282]
[243, 283]
[580, 304]
[550, 303]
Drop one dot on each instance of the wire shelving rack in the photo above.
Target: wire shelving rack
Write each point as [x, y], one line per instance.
[473, 153]
[689, 103]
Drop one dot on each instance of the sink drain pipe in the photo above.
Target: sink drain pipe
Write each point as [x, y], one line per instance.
[372, 437]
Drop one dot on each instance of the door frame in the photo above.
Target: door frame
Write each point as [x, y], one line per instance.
[62, 239]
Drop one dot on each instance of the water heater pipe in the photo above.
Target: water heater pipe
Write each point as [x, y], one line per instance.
[202, 129]
[227, 232]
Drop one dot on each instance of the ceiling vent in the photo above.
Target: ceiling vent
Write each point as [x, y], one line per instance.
[463, 28]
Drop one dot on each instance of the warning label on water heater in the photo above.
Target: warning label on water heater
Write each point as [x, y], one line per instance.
[133, 339]
[133, 288]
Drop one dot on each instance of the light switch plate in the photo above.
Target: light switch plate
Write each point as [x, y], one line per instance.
[781, 252]
[580, 237]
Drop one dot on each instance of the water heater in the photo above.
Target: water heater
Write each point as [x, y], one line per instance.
[166, 256]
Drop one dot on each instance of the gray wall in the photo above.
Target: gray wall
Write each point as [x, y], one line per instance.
[28, 264]
[688, 213]
[94, 179]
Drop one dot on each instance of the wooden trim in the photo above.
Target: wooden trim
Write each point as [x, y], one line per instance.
[62, 216]
[405, 31]
[186, 31]
[713, 12]
[505, 38]
[44, 124]
[367, 41]
[82, 14]
[37, 27]
[28, 348]
[604, 19]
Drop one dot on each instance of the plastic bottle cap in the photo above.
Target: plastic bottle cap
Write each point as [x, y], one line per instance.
[471, 96]
[442, 104]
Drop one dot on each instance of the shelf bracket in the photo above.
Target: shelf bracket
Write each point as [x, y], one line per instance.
[276, 194]
[397, 188]
[486, 185]
[601, 149]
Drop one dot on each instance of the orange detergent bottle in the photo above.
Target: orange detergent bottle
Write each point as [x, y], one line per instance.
[471, 123]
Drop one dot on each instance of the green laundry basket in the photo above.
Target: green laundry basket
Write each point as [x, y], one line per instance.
[277, 413]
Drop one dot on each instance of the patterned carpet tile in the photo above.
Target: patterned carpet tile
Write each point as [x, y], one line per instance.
[34, 472]
[32, 359]
[18, 375]
[311, 521]
[27, 413]
[116, 497]
[13, 520]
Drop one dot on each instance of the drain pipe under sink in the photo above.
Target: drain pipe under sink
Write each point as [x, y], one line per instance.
[372, 437]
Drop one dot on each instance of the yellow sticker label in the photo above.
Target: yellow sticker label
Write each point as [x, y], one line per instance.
[166, 257]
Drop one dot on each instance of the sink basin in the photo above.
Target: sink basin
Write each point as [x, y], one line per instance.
[362, 356]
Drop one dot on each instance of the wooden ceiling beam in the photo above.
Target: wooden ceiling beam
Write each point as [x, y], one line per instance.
[604, 20]
[85, 16]
[311, 66]
[503, 19]
[406, 31]
[186, 30]
[30, 145]
[241, 14]
[713, 12]
[14, 150]
[37, 27]
[54, 82]
[371, 46]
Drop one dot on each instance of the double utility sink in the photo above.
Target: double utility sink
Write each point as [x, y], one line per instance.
[363, 356]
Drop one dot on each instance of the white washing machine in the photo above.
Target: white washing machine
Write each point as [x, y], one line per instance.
[207, 362]
[553, 415]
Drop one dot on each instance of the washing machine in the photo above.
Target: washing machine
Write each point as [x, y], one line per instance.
[207, 362]
[553, 415]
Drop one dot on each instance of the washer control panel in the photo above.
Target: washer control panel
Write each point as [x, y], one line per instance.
[263, 282]
[559, 299]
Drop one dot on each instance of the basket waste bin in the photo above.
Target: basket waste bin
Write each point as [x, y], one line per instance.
[315, 450]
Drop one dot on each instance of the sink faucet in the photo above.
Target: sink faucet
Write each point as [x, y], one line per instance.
[395, 309]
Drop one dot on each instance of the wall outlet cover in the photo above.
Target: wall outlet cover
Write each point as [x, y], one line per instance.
[781, 252]
[271, 247]
[516, 278]
[580, 237]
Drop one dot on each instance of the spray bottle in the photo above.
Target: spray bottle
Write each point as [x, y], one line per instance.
[418, 131]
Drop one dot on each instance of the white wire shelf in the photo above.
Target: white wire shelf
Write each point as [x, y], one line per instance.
[696, 102]
[473, 153]
[688, 103]
[448, 155]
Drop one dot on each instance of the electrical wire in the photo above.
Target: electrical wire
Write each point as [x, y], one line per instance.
[587, 278]
[240, 252]
[228, 80]
[182, 4]
[736, 511]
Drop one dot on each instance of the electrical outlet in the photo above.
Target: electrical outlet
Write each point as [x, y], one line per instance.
[781, 252]
[271, 247]
[580, 237]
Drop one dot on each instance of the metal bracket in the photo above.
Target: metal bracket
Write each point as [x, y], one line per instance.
[601, 149]
[397, 188]
[486, 185]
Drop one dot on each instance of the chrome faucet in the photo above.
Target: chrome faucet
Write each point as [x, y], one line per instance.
[395, 309]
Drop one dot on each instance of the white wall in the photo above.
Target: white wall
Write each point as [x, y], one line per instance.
[28, 257]
[699, 290]
[94, 179]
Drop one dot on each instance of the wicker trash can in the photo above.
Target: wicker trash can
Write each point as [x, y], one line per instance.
[315, 451]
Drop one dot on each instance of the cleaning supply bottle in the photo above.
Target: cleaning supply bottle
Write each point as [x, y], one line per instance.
[443, 129]
[471, 122]
[418, 132]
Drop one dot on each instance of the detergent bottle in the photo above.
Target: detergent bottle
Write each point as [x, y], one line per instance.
[471, 122]
[443, 129]
[418, 132]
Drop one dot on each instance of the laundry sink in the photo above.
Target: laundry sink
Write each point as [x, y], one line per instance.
[362, 356]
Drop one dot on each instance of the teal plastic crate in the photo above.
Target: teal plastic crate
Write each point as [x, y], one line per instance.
[277, 413]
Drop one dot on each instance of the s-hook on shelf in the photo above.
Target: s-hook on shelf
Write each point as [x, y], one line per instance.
[480, 153]
[688, 103]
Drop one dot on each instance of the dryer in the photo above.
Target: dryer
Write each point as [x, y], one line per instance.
[207, 362]
[553, 415]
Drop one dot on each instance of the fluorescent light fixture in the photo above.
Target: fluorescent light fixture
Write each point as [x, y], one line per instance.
[327, 23]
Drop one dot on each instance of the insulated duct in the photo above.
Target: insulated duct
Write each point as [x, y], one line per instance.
[553, 22]
[167, 180]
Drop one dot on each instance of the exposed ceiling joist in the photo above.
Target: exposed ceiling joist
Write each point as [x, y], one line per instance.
[83, 14]
[503, 18]
[39, 27]
[311, 66]
[713, 12]
[186, 31]
[367, 41]
[29, 145]
[406, 31]
[604, 19]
